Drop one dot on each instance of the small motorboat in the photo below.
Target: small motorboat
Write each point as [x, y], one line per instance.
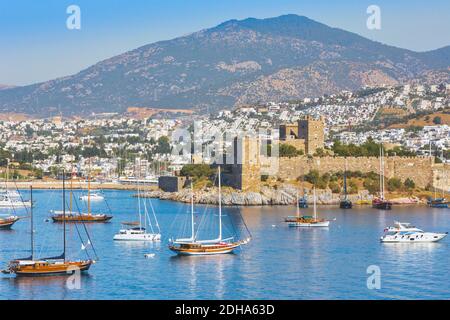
[405, 232]
[303, 203]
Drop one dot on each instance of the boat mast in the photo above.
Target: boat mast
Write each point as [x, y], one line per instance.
[220, 208]
[7, 175]
[345, 180]
[315, 207]
[298, 207]
[381, 172]
[89, 187]
[382, 161]
[64, 215]
[32, 223]
[71, 190]
[192, 213]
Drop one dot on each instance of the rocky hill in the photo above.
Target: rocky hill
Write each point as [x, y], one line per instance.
[236, 62]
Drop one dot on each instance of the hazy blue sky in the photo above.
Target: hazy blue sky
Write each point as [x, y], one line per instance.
[37, 46]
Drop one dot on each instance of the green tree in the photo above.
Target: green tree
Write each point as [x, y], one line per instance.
[335, 187]
[197, 170]
[437, 120]
[372, 185]
[312, 177]
[163, 145]
[394, 184]
[409, 184]
[287, 150]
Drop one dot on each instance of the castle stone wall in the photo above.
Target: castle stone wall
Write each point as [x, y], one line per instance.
[418, 169]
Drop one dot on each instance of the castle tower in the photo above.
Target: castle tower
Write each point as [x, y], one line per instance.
[312, 131]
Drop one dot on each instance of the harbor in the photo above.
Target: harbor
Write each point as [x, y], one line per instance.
[312, 263]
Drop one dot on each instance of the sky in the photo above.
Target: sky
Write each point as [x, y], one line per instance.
[36, 44]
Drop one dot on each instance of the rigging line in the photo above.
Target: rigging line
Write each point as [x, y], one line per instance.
[204, 214]
[106, 202]
[21, 198]
[81, 238]
[245, 225]
[154, 215]
[86, 231]
[146, 215]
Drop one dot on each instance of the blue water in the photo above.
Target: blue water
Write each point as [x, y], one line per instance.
[279, 263]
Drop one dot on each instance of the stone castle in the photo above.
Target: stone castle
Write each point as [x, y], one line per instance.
[308, 135]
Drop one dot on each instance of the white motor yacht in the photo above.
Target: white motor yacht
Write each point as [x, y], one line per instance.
[405, 232]
[8, 201]
[136, 234]
[93, 197]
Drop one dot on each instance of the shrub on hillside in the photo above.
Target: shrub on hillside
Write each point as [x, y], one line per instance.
[394, 184]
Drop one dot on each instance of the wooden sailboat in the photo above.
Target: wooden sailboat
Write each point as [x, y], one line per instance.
[47, 266]
[193, 246]
[81, 217]
[307, 221]
[7, 223]
[345, 203]
[380, 202]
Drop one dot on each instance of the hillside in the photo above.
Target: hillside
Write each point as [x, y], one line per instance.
[236, 62]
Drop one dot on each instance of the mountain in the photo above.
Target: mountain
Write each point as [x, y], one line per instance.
[236, 62]
[5, 86]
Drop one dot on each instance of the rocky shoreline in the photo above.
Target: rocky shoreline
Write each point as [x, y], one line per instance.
[284, 195]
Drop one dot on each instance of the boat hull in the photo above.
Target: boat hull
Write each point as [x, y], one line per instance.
[382, 205]
[8, 223]
[86, 218]
[345, 205]
[20, 204]
[138, 237]
[424, 238]
[202, 250]
[309, 224]
[440, 206]
[51, 269]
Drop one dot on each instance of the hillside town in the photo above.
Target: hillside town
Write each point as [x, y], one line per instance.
[122, 147]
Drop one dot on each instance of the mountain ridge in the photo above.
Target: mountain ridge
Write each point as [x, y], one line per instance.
[235, 62]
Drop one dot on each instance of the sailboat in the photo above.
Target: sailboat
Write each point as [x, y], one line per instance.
[72, 216]
[7, 222]
[136, 231]
[438, 202]
[47, 266]
[380, 202]
[307, 221]
[345, 203]
[194, 246]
